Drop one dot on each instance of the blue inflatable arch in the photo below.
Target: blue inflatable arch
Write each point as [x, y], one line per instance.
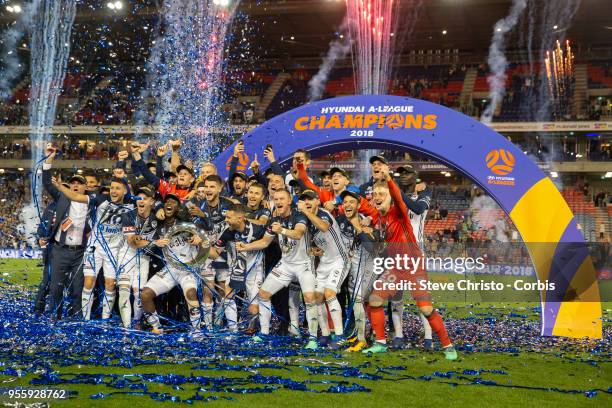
[539, 212]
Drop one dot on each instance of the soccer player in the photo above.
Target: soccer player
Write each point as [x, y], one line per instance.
[184, 250]
[248, 264]
[257, 213]
[105, 242]
[291, 227]
[417, 197]
[141, 231]
[331, 271]
[212, 214]
[360, 243]
[394, 225]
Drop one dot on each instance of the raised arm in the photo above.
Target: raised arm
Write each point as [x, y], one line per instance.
[144, 170]
[71, 195]
[324, 195]
[175, 160]
[46, 175]
[255, 245]
[321, 224]
[396, 196]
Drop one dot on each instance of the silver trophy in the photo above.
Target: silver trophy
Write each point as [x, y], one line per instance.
[179, 252]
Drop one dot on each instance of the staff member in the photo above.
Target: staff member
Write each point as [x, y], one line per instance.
[68, 236]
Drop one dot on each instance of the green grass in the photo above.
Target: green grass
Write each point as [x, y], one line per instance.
[398, 388]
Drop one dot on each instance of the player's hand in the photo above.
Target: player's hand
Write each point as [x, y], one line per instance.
[162, 242]
[316, 251]
[161, 150]
[50, 152]
[123, 154]
[190, 195]
[239, 148]
[365, 222]
[385, 173]
[254, 164]
[301, 206]
[269, 154]
[196, 211]
[241, 246]
[160, 214]
[420, 187]
[189, 163]
[195, 240]
[276, 227]
[176, 144]
[330, 205]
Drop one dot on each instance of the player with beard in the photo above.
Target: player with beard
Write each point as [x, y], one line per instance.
[331, 271]
[140, 230]
[417, 197]
[105, 242]
[360, 243]
[238, 187]
[291, 228]
[185, 250]
[257, 213]
[394, 226]
[212, 214]
[239, 229]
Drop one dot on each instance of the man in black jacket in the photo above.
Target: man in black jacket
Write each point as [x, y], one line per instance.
[43, 233]
[68, 236]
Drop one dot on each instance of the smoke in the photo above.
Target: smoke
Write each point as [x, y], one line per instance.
[11, 66]
[338, 49]
[497, 59]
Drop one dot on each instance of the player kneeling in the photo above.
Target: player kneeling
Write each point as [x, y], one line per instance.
[183, 251]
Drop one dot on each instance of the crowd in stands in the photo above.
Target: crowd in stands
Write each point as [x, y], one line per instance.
[15, 194]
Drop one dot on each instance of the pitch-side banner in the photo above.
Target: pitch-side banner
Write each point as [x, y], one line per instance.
[519, 186]
[7, 253]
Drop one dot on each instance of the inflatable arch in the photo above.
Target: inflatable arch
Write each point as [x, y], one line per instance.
[514, 181]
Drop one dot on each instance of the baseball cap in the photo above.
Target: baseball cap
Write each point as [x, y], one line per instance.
[173, 197]
[406, 168]
[183, 167]
[239, 174]
[335, 170]
[351, 194]
[146, 191]
[308, 194]
[78, 178]
[379, 158]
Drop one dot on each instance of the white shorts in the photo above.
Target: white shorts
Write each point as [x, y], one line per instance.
[331, 276]
[134, 270]
[212, 274]
[253, 282]
[166, 279]
[361, 275]
[98, 258]
[283, 273]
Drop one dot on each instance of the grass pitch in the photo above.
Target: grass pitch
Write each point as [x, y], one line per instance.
[407, 378]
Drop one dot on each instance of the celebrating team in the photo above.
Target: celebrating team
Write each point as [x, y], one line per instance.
[274, 240]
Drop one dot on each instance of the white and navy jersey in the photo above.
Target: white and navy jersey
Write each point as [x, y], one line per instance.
[330, 241]
[293, 251]
[145, 228]
[259, 212]
[352, 241]
[251, 233]
[214, 220]
[418, 220]
[107, 231]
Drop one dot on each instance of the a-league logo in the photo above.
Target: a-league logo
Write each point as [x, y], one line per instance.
[507, 162]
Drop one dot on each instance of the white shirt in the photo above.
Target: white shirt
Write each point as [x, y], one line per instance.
[78, 215]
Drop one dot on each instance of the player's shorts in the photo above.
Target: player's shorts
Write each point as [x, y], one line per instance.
[169, 277]
[216, 274]
[98, 258]
[253, 281]
[134, 269]
[361, 275]
[283, 273]
[331, 275]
